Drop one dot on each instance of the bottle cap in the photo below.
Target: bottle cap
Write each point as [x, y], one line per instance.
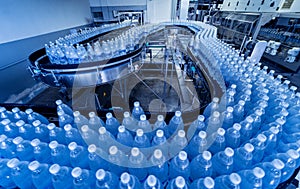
[206, 155]
[51, 126]
[125, 178]
[76, 172]
[2, 109]
[12, 163]
[54, 169]
[113, 150]
[18, 140]
[157, 154]
[278, 164]
[159, 133]
[151, 180]
[126, 114]
[221, 132]
[36, 123]
[231, 93]
[179, 182]
[274, 130]
[92, 114]
[249, 147]
[160, 118]
[229, 109]
[15, 110]
[233, 86]
[258, 172]
[249, 119]
[68, 127]
[261, 137]
[5, 122]
[3, 138]
[20, 123]
[280, 121]
[100, 174]
[181, 133]
[135, 151]
[178, 113]
[235, 178]
[285, 104]
[32, 166]
[209, 182]
[136, 104]
[109, 115]
[229, 152]
[72, 146]
[287, 82]
[60, 112]
[139, 132]
[92, 148]
[258, 112]
[215, 100]
[266, 91]
[84, 128]
[216, 114]
[241, 102]
[283, 96]
[279, 77]
[28, 111]
[53, 144]
[237, 126]
[248, 92]
[284, 112]
[202, 134]
[35, 142]
[121, 129]
[293, 154]
[76, 113]
[58, 102]
[143, 117]
[182, 155]
[102, 130]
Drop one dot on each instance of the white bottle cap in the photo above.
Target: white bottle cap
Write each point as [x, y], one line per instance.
[249, 147]
[293, 154]
[157, 154]
[72, 146]
[209, 182]
[274, 130]
[58, 102]
[285, 104]
[51, 126]
[182, 155]
[229, 109]
[18, 140]
[231, 93]
[53, 144]
[181, 133]
[92, 148]
[35, 142]
[258, 172]
[143, 117]
[151, 180]
[28, 111]
[241, 102]
[215, 100]
[160, 118]
[15, 110]
[135, 151]
[36, 123]
[32, 166]
[293, 88]
[261, 137]
[180, 182]
[279, 76]
[12, 163]
[76, 172]
[280, 121]
[109, 115]
[235, 178]
[139, 132]
[278, 164]
[136, 104]
[125, 178]
[202, 134]
[233, 86]
[249, 119]
[92, 114]
[287, 82]
[266, 91]
[126, 114]
[54, 169]
[102, 130]
[178, 113]
[216, 114]
[159, 133]
[76, 113]
[206, 155]
[121, 129]
[237, 126]
[229, 152]
[85, 128]
[20, 123]
[258, 112]
[113, 150]
[60, 112]
[221, 132]
[100, 174]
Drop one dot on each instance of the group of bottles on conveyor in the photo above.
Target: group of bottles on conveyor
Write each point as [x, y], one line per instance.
[65, 52]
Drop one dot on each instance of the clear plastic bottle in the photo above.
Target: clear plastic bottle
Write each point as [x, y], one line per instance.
[7, 148]
[219, 142]
[6, 180]
[40, 175]
[129, 181]
[41, 131]
[95, 159]
[177, 183]
[175, 123]
[80, 120]
[116, 158]
[136, 162]
[124, 137]
[64, 118]
[9, 128]
[95, 122]
[228, 181]
[160, 166]
[203, 183]
[5, 114]
[177, 143]
[242, 158]
[72, 135]
[59, 153]
[160, 124]
[61, 176]
[26, 131]
[201, 166]
[18, 115]
[82, 178]
[32, 116]
[223, 162]
[141, 140]
[137, 110]
[227, 118]
[106, 179]
[41, 151]
[23, 149]
[271, 142]
[78, 156]
[238, 111]
[197, 145]
[129, 122]
[56, 133]
[144, 124]
[152, 182]
[180, 166]
[252, 178]
[246, 129]
[211, 107]
[65, 108]
[197, 126]
[233, 136]
[259, 144]
[112, 124]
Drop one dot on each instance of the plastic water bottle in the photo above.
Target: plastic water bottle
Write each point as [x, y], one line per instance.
[9, 128]
[144, 124]
[18, 115]
[26, 131]
[24, 150]
[233, 136]
[32, 116]
[160, 166]
[256, 121]
[61, 176]
[129, 181]
[6, 180]
[136, 162]
[228, 181]
[246, 129]
[223, 162]
[65, 108]
[213, 122]
[152, 182]
[178, 142]
[211, 107]
[105, 138]
[227, 118]
[141, 140]
[81, 178]
[159, 141]
[72, 135]
[124, 136]
[41, 131]
[95, 122]
[242, 158]
[116, 158]
[20, 173]
[129, 122]
[273, 173]
[238, 111]
[252, 178]
[7, 148]
[112, 124]
[175, 123]
[78, 156]
[178, 183]
[5, 114]
[59, 153]
[201, 166]
[95, 159]
[197, 126]
[64, 118]
[160, 124]
[219, 143]
[230, 99]
[106, 179]
[41, 151]
[40, 175]
[88, 135]
[137, 110]
[80, 120]
[56, 133]
[197, 145]
[180, 166]
[203, 183]
[259, 144]
[271, 142]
